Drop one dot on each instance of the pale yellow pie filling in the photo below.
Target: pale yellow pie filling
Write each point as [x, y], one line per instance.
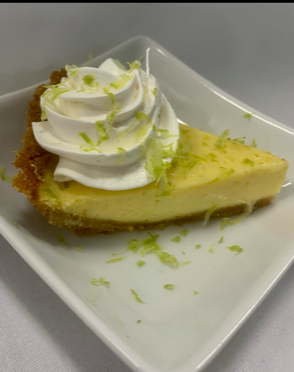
[222, 177]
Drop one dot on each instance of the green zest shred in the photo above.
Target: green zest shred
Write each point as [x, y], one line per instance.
[36, 172]
[124, 79]
[79, 249]
[150, 245]
[111, 116]
[14, 222]
[90, 81]
[239, 141]
[220, 143]
[3, 176]
[253, 143]
[164, 134]
[239, 219]
[196, 293]
[61, 238]
[72, 69]
[184, 232]
[170, 287]
[235, 248]
[121, 153]
[54, 91]
[221, 239]
[110, 95]
[176, 239]
[141, 263]
[228, 221]
[223, 223]
[103, 136]
[212, 157]
[154, 92]
[50, 193]
[187, 262]
[247, 115]
[136, 297]
[134, 66]
[139, 117]
[100, 281]
[248, 162]
[16, 153]
[208, 214]
[139, 321]
[198, 246]
[86, 138]
[156, 167]
[116, 259]
[142, 131]
[211, 249]
[224, 173]
[167, 258]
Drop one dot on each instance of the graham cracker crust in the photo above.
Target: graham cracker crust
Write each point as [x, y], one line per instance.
[28, 180]
[84, 226]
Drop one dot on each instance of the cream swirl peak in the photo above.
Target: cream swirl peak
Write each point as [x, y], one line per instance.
[111, 127]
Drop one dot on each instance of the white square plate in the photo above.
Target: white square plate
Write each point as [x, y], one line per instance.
[179, 331]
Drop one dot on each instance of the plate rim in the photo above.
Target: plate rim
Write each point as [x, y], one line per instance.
[73, 301]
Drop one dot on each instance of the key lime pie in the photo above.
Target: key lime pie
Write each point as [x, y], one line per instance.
[104, 153]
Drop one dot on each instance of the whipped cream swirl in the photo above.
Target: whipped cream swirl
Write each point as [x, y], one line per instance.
[101, 122]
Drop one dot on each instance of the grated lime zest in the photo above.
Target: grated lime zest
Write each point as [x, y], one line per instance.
[116, 259]
[169, 287]
[208, 214]
[100, 281]
[136, 297]
[220, 143]
[235, 248]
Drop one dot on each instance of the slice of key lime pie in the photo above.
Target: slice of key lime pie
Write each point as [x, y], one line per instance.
[104, 153]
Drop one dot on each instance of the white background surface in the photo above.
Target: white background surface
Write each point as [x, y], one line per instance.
[245, 49]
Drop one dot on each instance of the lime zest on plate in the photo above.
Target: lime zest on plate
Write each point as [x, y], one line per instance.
[61, 238]
[211, 249]
[116, 259]
[184, 232]
[208, 214]
[14, 222]
[136, 297]
[100, 281]
[170, 287]
[235, 248]
[79, 249]
[167, 258]
[247, 115]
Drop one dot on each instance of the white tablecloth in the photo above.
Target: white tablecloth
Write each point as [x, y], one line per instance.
[247, 50]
